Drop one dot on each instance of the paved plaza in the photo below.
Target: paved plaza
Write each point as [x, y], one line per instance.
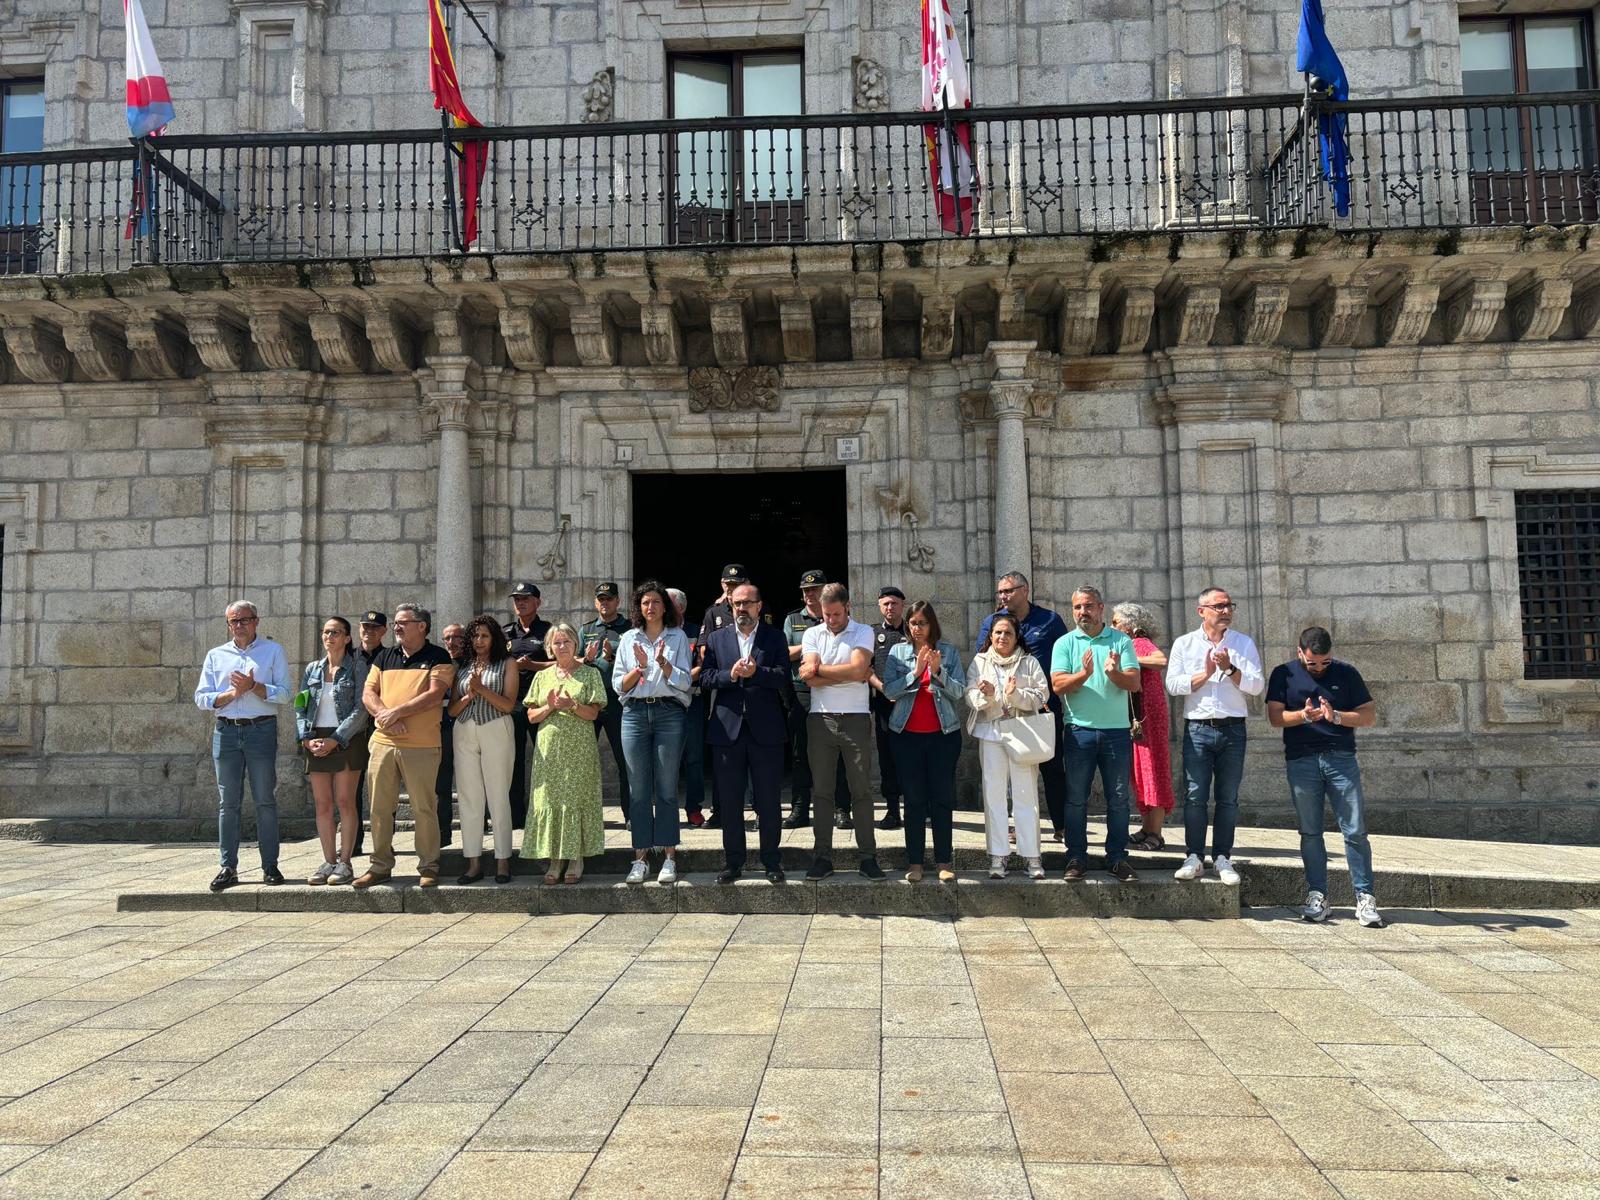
[1453, 1055]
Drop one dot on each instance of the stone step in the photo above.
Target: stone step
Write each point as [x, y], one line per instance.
[1154, 896]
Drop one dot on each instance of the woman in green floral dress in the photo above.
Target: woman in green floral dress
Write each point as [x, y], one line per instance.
[565, 699]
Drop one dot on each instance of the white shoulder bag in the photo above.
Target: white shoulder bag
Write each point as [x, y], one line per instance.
[1030, 738]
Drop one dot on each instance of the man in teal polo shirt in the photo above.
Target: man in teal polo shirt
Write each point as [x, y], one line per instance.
[1094, 670]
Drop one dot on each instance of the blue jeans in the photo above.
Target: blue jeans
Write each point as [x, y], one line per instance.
[1213, 766]
[1333, 775]
[1111, 751]
[652, 742]
[236, 749]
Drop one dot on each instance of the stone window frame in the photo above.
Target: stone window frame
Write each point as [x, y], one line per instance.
[20, 505]
[1498, 473]
[304, 19]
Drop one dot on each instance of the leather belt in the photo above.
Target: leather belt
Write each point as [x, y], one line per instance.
[245, 720]
[1216, 722]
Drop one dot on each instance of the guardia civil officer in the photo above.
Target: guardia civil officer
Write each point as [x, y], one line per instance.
[597, 646]
[886, 635]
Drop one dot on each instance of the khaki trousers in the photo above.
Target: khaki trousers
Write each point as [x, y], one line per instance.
[419, 769]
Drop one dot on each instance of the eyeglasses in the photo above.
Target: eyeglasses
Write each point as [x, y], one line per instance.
[401, 624]
[1229, 607]
[1000, 591]
[746, 603]
[242, 620]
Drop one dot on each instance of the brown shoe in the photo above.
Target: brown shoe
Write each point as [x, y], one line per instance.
[1122, 871]
[1075, 869]
[946, 875]
[368, 878]
[914, 873]
[428, 881]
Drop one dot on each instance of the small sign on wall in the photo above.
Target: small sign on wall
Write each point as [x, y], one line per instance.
[847, 449]
[624, 452]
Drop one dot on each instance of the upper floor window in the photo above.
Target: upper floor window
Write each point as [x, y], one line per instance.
[1558, 568]
[1528, 162]
[21, 187]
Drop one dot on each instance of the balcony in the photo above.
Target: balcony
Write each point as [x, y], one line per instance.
[1046, 171]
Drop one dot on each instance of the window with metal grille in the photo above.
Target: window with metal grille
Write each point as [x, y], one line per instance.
[1558, 563]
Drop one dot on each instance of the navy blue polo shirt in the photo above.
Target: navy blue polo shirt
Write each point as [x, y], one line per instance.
[1291, 684]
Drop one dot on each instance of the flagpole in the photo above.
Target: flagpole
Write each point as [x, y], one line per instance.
[453, 221]
[950, 160]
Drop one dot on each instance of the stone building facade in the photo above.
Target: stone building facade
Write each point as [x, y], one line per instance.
[1333, 422]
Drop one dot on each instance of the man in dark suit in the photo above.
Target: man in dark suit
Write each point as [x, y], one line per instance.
[747, 666]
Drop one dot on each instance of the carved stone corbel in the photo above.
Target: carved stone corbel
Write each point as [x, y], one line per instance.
[37, 350]
[1336, 315]
[1472, 310]
[1261, 315]
[1194, 316]
[390, 338]
[1536, 311]
[663, 336]
[1135, 313]
[1586, 312]
[451, 334]
[866, 327]
[340, 342]
[217, 336]
[280, 343]
[1080, 320]
[799, 327]
[158, 350]
[938, 328]
[730, 340]
[594, 335]
[1408, 313]
[100, 353]
[527, 338]
[1013, 321]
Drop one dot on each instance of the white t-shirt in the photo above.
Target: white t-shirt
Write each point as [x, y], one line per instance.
[327, 713]
[833, 650]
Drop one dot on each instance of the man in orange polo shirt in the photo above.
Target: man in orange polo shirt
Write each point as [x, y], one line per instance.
[406, 686]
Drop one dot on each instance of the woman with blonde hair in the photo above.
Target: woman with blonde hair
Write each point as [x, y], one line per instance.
[1006, 681]
[564, 700]
[1152, 759]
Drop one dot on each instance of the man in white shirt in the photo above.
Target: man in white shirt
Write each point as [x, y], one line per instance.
[1214, 668]
[836, 662]
[242, 683]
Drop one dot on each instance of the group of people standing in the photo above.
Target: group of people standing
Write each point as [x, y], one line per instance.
[1047, 705]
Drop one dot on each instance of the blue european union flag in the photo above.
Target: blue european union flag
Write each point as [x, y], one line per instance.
[1316, 57]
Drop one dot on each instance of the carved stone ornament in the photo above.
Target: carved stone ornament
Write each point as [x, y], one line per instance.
[1472, 312]
[1336, 318]
[1080, 318]
[1537, 311]
[280, 342]
[599, 97]
[663, 336]
[938, 328]
[1261, 315]
[526, 337]
[871, 86]
[101, 354]
[390, 337]
[748, 389]
[340, 341]
[799, 329]
[37, 350]
[158, 350]
[1195, 317]
[217, 337]
[1406, 317]
[1138, 307]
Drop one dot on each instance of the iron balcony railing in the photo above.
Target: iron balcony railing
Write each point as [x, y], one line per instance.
[1044, 171]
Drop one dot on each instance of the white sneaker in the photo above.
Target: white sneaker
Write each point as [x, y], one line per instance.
[1192, 868]
[322, 874]
[638, 871]
[342, 874]
[1315, 908]
[1225, 871]
[1367, 910]
[997, 867]
[669, 871]
[1035, 868]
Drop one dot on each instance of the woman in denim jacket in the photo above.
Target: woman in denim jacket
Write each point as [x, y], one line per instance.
[924, 681]
[331, 726]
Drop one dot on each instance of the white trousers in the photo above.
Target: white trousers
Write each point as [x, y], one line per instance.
[998, 771]
[485, 755]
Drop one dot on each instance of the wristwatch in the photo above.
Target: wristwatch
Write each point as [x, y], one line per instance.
[1336, 719]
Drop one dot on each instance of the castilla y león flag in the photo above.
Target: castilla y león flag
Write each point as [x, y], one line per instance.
[951, 166]
[446, 85]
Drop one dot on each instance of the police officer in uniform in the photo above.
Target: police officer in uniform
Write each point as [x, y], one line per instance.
[525, 641]
[794, 629]
[373, 626]
[886, 635]
[597, 646]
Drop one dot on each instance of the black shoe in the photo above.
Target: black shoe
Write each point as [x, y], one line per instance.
[821, 868]
[870, 869]
[271, 875]
[729, 875]
[714, 821]
[776, 875]
[1076, 869]
[502, 879]
[891, 820]
[465, 879]
[799, 817]
[841, 819]
[225, 879]
[1122, 870]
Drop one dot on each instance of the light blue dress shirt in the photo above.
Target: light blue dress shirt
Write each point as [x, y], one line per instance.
[652, 684]
[263, 658]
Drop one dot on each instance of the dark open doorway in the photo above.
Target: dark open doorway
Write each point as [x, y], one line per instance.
[779, 524]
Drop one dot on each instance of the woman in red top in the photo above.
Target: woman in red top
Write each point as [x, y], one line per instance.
[924, 681]
[1152, 763]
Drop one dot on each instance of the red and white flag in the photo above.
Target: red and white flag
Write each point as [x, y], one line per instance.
[951, 166]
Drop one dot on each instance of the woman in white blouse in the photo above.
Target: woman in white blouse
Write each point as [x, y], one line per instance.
[651, 677]
[1004, 681]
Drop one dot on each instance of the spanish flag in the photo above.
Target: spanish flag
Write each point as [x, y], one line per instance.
[446, 85]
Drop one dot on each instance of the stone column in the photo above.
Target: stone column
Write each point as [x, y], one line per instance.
[454, 563]
[1013, 523]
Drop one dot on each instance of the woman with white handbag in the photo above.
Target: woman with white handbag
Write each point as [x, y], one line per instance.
[1006, 695]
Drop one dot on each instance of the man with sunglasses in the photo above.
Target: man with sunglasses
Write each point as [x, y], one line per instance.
[1214, 668]
[241, 685]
